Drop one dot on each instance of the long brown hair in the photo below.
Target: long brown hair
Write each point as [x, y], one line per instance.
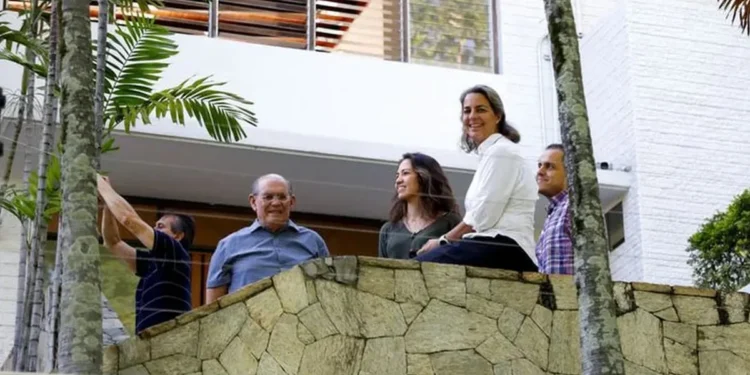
[504, 128]
[435, 192]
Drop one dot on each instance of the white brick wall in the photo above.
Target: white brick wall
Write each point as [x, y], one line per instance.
[666, 85]
[606, 60]
[691, 79]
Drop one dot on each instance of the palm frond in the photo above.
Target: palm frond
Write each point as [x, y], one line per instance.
[136, 57]
[222, 113]
[143, 5]
[9, 204]
[13, 39]
[739, 10]
[23, 203]
[39, 69]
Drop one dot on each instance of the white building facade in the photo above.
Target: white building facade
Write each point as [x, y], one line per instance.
[665, 88]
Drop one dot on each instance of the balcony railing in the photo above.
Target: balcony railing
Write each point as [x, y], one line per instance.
[458, 34]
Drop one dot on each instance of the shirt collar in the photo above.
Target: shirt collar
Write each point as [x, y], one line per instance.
[491, 140]
[289, 225]
[557, 200]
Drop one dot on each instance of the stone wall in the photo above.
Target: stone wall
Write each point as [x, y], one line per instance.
[366, 316]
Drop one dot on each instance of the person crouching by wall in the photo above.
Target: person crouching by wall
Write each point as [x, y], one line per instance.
[497, 230]
[423, 207]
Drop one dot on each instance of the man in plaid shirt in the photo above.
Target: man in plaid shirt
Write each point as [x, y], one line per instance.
[554, 250]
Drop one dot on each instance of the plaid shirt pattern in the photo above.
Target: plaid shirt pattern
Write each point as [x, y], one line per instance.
[554, 250]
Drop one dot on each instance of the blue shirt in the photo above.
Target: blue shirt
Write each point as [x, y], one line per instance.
[254, 253]
[164, 288]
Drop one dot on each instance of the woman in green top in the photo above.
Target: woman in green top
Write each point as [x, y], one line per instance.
[423, 207]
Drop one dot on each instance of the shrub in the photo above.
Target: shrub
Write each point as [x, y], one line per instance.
[720, 250]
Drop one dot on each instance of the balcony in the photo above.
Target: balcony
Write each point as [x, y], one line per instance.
[334, 123]
[449, 33]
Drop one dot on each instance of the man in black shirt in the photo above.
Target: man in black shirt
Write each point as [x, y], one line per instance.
[164, 287]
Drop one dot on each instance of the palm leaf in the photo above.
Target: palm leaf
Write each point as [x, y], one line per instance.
[136, 57]
[143, 5]
[738, 9]
[23, 203]
[38, 68]
[8, 203]
[13, 39]
[222, 113]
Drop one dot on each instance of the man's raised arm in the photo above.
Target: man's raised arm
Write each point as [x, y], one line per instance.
[124, 213]
[113, 241]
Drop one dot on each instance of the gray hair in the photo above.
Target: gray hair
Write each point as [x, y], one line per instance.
[271, 176]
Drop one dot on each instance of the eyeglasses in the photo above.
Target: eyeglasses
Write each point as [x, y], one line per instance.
[282, 197]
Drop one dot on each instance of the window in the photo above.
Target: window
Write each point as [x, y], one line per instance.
[613, 220]
[451, 33]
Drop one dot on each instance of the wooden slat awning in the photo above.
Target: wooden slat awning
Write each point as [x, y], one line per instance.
[271, 22]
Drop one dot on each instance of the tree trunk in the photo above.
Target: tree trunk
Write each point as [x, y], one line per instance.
[20, 290]
[80, 341]
[39, 231]
[600, 340]
[53, 294]
[37, 306]
[23, 306]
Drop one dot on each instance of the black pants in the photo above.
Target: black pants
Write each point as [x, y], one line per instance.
[496, 252]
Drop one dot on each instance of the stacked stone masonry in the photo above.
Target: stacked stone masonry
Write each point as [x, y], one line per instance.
[367, 316]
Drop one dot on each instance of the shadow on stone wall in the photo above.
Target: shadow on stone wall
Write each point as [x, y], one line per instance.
[359, 315]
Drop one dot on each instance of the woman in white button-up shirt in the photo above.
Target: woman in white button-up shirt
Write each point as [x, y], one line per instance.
[497, 230]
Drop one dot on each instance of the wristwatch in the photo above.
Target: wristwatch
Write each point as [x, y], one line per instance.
[443, 240]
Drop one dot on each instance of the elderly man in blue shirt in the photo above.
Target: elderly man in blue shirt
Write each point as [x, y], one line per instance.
[271, 244]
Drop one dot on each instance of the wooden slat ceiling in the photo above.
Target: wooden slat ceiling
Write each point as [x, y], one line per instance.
[271, 22]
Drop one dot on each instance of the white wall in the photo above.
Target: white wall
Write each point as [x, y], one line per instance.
[10, 236]
[607, 68]
[691, 77]
[349, 98]
[666, 87]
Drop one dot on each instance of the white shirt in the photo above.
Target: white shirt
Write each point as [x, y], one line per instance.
[502, 196]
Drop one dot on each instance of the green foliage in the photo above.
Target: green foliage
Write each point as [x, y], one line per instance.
[214, 109]
[14, 39]
[137, 54]
[438, 28]
[720, 250]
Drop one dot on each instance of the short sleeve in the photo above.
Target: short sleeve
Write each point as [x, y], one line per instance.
[165, 251]
[322, 248]
[218, 272]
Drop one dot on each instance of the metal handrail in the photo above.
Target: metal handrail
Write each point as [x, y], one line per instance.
[405, 32]
[495, 37]
[311, 24]
[213, 18]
